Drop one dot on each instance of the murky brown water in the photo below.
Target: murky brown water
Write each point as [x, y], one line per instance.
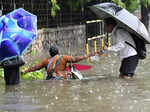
[107, 94]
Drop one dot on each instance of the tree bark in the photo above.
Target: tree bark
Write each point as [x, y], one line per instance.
[144, 15]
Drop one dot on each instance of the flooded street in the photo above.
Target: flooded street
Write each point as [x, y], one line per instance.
[29, 29]
[94, 94]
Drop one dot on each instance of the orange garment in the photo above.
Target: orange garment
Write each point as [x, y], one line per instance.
[60, 68]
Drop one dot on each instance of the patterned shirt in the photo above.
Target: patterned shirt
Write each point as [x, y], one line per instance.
[59, 68]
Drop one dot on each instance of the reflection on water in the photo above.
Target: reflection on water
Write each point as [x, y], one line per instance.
[107, 93]
[12, 100]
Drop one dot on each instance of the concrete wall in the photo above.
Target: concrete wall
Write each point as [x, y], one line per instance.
[71, 40]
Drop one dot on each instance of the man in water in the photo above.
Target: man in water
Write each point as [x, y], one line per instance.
[127, 53]
[56, 64]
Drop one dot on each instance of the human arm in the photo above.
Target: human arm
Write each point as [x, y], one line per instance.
[119, 37]
[115, 48]
[75, 59]
[36, 67]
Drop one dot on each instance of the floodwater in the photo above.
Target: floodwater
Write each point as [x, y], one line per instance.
[107, 93]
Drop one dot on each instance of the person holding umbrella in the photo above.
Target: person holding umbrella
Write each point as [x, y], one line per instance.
[126, 29]
[127, 53]
[17, 30]
[11, 70]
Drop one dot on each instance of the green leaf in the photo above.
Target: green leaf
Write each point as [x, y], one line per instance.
[148, 2]
[53, 13]
[55, 7]
[118, 2]
[37, 61]
[145, 2]
[1, 73]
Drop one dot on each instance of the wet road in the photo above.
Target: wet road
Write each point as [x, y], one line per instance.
[96, 94]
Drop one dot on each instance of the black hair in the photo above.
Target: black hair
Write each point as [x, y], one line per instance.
[53, 51]
[110, 21]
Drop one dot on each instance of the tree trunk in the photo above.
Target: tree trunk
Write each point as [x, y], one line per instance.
[145, 17]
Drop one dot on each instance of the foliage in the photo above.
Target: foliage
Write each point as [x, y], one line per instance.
[148, 2]
[78, 4]
[38, 75]
[75, 4]
[145, 2]
[54, 7]
[118, 2]
[132, 5]
[1, 73]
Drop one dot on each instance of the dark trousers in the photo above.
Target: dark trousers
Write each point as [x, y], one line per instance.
[11, 76]
[128, 65]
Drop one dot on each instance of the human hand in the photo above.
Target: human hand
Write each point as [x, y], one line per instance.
[105, 48]
[25, 71]
[92, 54]
[100, 53]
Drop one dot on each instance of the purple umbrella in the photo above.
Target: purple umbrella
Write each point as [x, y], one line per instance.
[17, 30]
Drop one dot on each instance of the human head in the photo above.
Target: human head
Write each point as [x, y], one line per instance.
[109, 24]
[53, 51]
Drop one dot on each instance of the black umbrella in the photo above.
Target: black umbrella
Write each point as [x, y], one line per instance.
[124, 18]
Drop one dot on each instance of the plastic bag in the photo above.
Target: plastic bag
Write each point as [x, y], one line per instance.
[94, 58]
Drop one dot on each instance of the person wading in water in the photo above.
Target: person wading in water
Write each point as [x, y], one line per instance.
[56, 64]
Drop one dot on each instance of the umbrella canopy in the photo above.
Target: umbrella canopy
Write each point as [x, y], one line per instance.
[125, 19]
[17, 30]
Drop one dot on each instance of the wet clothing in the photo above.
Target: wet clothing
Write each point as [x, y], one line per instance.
[11, 76]
[119, 37]
[11, 70]
[60, 68]
[128, 65]
[127, 53]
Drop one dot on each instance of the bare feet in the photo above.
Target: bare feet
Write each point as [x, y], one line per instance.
[125, 77]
